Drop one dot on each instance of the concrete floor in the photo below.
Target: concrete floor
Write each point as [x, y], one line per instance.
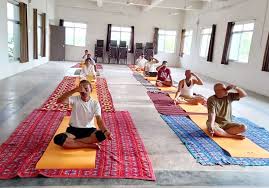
[172, 163]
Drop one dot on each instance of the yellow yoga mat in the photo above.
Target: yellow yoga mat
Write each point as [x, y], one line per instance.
[153, 82]
[235, 147]
[150, 78]
[55, 157]
[172, 89]
[172, 95]
[77, 81]
[194, 108]
[91, 79]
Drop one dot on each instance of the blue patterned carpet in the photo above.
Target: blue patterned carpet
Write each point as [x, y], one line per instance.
[206, 151]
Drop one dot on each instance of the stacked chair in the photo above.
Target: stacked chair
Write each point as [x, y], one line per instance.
[148, 51]
[99, 50]
[123, 52]
[113, 51]
[138, 51]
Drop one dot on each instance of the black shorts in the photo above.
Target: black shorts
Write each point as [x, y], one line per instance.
[80, 132]
[152, 74]
[59, 139]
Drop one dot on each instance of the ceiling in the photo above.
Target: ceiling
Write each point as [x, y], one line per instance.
[147, 5]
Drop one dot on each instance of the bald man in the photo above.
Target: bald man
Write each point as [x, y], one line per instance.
[185, 92]
[219, 106]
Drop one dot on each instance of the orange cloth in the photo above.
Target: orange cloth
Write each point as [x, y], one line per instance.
[235, 147]
[55, 157]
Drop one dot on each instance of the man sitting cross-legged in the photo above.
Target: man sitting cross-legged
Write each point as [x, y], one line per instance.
[164, 78]
[88, 71]
[140, 63]
[81, 132]
[185, 93]
[219, 107]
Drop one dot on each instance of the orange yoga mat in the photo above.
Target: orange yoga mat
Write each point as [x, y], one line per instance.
[194, 108]
[55, 157]
[150, 78]
[235, 147]
[77, 81]
[172, 95]
[191, 108]
[172, 89]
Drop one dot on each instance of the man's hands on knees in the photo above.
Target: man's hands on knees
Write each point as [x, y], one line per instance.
[108, 135]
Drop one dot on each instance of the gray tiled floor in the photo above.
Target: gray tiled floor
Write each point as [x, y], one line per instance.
[172, 163]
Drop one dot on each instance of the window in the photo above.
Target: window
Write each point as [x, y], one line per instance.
[241, 42]
[187, 42]
[75, 33]
[13, 25]
[39, 33]
[166, 42]
[205, 40]
[121, 34]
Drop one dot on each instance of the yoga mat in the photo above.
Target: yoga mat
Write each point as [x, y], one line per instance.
[167, 89]
[151, 78]
[123, 157]
[172, 95]
[235, 147]
[165, 105]
[194, 108]
[55, 157]
[208, 152]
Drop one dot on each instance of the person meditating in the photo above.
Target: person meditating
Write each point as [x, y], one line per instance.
[140, 63]
[85, 56]
[81, 132]
[150, 67]
[185, 92]
[219, 107]
[88, 71]
[164, 78]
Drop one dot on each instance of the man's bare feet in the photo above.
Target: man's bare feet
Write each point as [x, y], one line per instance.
[94, 146]
[70, 135]
[240, 136]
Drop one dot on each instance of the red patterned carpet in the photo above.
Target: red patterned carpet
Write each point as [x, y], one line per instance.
[123, 157]
[32, 135]
[104, 96]
[67, 84]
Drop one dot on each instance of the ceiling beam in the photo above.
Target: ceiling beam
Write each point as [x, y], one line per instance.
[99, 3]
[152, 5]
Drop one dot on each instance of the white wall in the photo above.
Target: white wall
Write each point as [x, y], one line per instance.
[11, 68]
[248, 75]
[98, 18]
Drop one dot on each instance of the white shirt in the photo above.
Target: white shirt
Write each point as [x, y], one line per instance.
[152, 65]
[141, 62]
[82, 115]
[187, 90]
[85, 57]
[87, 71]
[93, 61]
